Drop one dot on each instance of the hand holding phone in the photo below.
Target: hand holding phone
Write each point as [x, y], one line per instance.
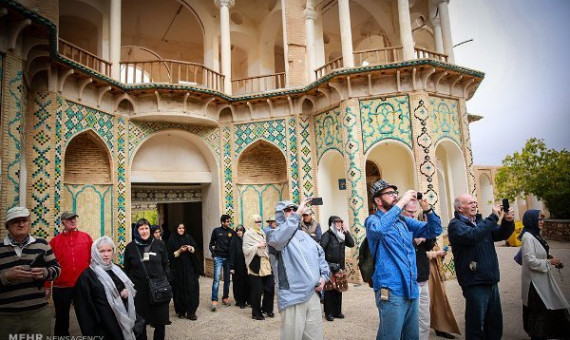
[506, 205]
[317, 201]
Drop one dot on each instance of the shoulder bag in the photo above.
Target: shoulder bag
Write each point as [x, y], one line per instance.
[159, 290]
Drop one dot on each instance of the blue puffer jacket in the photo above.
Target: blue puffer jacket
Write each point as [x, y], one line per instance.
[474, 242]
[390, 237]
[302, 260]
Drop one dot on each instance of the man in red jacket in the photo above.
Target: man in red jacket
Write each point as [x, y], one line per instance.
[72, 249]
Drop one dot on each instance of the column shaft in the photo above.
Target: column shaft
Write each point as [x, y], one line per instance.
[226, 47]
[406, 37]
[446, 31]
[115, 39]
[345, 33]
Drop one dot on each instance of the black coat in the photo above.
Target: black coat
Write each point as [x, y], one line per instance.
[94, 314]
[186, 270]
[156, 267]
[220, 241]
[422, 261]
[334, 250]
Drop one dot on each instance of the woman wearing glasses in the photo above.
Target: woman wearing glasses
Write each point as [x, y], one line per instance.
[333, 242]
[545, 310]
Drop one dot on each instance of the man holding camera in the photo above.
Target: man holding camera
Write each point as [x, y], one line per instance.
[390, 240]
[476, 264]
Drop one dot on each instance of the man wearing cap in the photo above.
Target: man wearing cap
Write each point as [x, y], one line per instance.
[390, 240]
[26, 263]
[300, 271]
[310, 225]
[72, 248]
[271, 224]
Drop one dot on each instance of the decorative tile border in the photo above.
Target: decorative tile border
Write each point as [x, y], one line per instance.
[265, 210]
[122, 186]
[78, 118]
[445, 116]
[273, 131]
[306, 158]
[14, 112]
[105, 194]
[328, 133]
[385, 118]
[294, 183]
[424, 151]
[228, 170]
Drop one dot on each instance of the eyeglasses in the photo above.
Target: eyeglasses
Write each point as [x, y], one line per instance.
[257, 221]
[391, 193]
[290, 209]
[412, 212]
[541, 218]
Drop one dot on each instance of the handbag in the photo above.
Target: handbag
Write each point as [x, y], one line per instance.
[338, 282]
[518, 257]
[335, 267]
[159, 290]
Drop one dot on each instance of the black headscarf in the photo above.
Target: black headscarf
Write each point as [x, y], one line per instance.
[138, 239]
[530, 223]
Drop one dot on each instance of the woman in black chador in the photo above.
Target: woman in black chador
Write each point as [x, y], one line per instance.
[238, 269]
[184, 263]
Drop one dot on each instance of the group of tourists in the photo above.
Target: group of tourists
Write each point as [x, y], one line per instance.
[290, 257]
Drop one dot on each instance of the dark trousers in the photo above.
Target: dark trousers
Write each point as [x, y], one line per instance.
[333, 303]
[261, 285]
[483, 315]
[159, 333]
[241, 287]
[62, 298]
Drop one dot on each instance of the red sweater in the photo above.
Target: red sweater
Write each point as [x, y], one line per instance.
[72, 250]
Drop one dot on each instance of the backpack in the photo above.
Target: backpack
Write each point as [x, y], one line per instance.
[366, 262]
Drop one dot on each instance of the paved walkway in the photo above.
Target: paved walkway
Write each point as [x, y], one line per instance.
[358, 305]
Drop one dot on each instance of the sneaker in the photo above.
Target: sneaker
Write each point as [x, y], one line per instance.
[214, 306]
[444, 335]
[226, 302]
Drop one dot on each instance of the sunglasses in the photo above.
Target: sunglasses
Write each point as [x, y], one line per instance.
[338, 221]
[391, 193]
[290, 209]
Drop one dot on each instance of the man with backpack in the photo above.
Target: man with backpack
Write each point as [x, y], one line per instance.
[300, 272]
[390, 240]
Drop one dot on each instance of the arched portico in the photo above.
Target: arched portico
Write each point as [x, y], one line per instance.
[330, 170]
[452, 176]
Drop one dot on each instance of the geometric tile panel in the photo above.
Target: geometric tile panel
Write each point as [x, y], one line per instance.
[228, 171]
[78, 118]
[385, 118]
[328, 133]
[272, 131]
[58, 159]
[17, 95]
[293, 160]
[139, 131]
[121, 207]
[445, 116]
[305, 165]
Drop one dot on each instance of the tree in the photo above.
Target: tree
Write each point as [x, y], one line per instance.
[540, 171]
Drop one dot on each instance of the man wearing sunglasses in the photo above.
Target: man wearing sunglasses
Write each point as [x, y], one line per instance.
[300, 269]
[390, 240]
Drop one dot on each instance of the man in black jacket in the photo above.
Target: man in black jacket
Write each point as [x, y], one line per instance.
[477, 266]
[220, 249]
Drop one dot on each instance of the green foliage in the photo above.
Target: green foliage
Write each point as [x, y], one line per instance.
[540, 171]
[150, 215]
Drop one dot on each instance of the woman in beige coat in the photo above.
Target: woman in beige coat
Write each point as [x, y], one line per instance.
[545, 310]
[259, 270]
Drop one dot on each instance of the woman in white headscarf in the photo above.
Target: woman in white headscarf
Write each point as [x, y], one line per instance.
[104, 296]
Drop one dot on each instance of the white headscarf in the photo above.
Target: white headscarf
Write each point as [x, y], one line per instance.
[125, 318]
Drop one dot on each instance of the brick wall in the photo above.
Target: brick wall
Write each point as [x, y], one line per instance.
[557, 230]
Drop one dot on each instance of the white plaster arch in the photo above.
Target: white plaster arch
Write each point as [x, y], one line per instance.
[397, 163]
[127, 97]
[330, 169]
[450, 161]
[487, 195]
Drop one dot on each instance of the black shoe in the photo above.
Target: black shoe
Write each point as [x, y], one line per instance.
[329, 317]
[340, 316]
[181, 316]
[445, 335]
[269, 314]
[192, 317]
[242, 306]
[258, 317]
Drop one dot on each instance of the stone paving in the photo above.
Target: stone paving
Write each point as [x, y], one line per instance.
[358, 305]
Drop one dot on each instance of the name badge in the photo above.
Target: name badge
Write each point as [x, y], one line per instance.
[152, 253]
[146, 257]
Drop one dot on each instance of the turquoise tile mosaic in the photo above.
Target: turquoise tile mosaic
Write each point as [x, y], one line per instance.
[328, 133]
[445, 116]
[385, 118]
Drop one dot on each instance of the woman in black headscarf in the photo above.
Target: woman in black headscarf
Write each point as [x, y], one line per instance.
[149, 252]
[334, 242]
[545, 310]
[184, 262]
[104, 296]
[238, 269]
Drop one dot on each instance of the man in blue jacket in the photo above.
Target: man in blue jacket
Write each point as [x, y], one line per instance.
[390, 240]
[476, 265]
[300, 272]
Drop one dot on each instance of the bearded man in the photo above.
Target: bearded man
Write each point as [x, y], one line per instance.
[390, 240]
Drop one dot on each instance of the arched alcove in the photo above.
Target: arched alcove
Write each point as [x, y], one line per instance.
[452, 173]
[335, 200]
[487, 196]
[397, 164]
[373, 174]
[307, 107]
[262, 181]
[226, 116]
[87, 160]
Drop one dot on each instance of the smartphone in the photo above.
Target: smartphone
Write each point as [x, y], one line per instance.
[317, 201]
[419, 195]
[506, 205]
[38, 261]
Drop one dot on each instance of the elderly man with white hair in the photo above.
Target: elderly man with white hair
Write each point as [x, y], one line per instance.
[26, 262]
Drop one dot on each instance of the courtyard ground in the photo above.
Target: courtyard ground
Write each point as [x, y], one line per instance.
[358, 305]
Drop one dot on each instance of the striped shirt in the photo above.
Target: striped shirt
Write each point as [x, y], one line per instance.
[26, 294]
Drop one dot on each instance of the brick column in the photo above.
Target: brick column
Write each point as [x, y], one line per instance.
[355, 164]
[466, 148]
[294, 42]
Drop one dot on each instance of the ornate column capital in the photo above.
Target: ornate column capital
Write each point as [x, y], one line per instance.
[436, 21]
[311, 13]
[227, 3]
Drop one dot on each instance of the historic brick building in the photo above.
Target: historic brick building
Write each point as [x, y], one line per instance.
[201, 107]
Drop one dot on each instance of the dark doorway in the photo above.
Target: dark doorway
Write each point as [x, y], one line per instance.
[190, 214]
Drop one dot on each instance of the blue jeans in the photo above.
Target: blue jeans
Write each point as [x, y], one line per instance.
[219, 263]
[398, 318]
[483, 315]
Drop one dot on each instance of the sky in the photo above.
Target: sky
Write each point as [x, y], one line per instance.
[523, 47]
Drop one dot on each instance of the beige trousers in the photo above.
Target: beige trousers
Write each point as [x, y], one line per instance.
[302, 321]
[31, 322]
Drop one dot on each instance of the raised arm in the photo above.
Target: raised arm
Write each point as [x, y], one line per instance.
[461, 233]
[280, 236]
